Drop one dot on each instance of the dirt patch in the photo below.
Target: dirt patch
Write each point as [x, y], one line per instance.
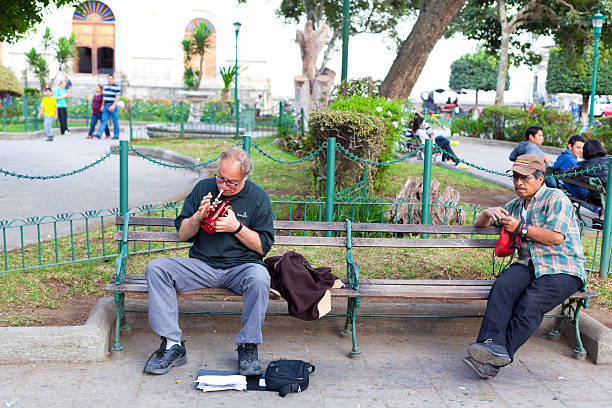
[486, 197]
[601, 314]
[72, 312]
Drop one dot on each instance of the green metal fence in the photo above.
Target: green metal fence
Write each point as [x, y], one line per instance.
[21, 115]
[40, 243]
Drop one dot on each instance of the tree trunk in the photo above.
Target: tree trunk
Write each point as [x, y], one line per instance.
[475, 112]
[503, 53]
[434, 18]
[329, 49]
[584, 110]
[312, 87]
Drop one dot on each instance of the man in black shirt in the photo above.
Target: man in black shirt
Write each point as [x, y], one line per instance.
[232, 258]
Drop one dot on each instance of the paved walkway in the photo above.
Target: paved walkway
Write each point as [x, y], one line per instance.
[397, 369]
[96, 188]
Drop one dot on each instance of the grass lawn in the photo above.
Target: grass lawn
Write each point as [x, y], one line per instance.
[26, 297]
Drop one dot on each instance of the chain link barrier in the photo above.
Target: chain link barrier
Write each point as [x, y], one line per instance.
[556, 175]
[310, 156]
[58, 176]
[385, 163]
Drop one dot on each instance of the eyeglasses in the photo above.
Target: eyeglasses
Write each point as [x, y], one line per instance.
[524, 179]
[229, 183]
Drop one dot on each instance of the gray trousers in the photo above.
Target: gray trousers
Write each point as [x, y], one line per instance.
[166, 276]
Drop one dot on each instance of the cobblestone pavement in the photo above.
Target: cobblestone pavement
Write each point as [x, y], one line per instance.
[396, 369]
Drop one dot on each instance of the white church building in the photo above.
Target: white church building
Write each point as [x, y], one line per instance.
[139, 41]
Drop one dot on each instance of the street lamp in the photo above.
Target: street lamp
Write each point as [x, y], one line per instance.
[598, 20]
[236, 106]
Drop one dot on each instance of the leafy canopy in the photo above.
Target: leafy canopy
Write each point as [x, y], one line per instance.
[18, 17]
[564, 74]
[475, 71]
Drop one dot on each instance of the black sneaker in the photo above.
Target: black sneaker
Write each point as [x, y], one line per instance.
[489, 352]
[485, 371]
[247, 359]
[162, 360]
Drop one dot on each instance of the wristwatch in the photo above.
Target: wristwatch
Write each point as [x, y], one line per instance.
[524, 231]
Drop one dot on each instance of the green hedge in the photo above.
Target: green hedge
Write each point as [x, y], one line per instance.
[557, 127]
[363, 135]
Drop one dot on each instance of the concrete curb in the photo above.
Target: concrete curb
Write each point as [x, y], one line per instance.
[596, 338]
[89, 342]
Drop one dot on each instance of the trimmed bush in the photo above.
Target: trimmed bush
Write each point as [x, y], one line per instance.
[557, 127]
[362, 135]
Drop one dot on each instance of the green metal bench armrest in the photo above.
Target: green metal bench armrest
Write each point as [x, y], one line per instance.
[121, 261]
[352, 268]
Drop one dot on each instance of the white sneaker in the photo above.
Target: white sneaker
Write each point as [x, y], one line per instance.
[67, 133]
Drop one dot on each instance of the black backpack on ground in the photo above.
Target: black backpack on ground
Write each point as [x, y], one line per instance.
[287, 376]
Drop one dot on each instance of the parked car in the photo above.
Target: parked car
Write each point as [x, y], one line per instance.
[438, 98]
[602, 103]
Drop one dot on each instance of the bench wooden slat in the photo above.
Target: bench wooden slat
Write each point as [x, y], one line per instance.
[154, 236]
[309, 225]
[147, 221]
[419, 229]
[310, 241]
[368, 288]
[423, 243]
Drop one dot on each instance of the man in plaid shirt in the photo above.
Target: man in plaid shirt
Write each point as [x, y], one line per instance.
[549, 269]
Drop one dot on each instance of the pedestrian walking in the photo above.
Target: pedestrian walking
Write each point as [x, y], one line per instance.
[112, 94]
[48, 109]
[61, 96]
[96, 113]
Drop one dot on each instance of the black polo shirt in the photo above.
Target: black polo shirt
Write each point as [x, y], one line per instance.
[223, 250]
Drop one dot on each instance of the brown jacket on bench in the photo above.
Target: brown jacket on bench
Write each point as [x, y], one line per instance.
[301, 285]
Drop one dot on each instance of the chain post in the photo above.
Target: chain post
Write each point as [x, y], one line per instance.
[86, 112]
[452, 121]
[3, 114]
[25, 111]
[246, 144]
[36, 116]
[182, 124]
[604, 262]
[426, 184]
[331, 168]
[137, 112]
[302, 121]
[281, 108]
[364, 179]
[130, 116]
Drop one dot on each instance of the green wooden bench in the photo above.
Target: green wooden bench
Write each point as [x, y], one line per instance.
[348, 235]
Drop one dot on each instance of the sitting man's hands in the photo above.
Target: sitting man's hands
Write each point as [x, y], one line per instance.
[204, 206]
[496, 213]
[510, 223]
[227, 224]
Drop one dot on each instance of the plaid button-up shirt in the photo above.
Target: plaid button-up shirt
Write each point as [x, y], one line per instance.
[551, 209]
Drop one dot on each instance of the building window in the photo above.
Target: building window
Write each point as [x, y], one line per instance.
[84, 60]
[209, 68]
[93, 25]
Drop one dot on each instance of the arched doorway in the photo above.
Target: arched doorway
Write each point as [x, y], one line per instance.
[93, 25]
[210, 58]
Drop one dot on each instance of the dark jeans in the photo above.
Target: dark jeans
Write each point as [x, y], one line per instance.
[444, 144]
[62, 117]
[518, 301]
[94, 120]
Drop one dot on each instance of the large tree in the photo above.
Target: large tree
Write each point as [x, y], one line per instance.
[17, 17]
[433, 19]
[373, 16]
[501, 25]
